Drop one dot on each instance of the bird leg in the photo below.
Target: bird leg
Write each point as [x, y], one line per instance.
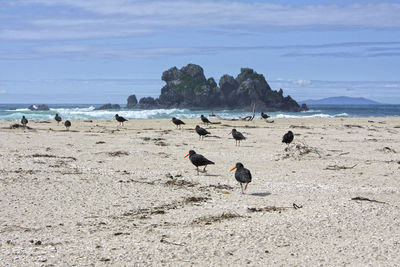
[204, 170]
[245, 188]
[197, 169]
[241, 186]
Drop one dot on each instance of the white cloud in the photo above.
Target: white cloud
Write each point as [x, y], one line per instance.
[2, 91]
[124, 18]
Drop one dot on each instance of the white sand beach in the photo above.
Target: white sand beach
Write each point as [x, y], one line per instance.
[102, 194]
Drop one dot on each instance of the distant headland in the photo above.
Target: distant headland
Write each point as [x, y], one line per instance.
[188, 88]
[341, 100]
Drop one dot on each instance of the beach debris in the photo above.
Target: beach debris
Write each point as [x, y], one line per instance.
[168, 175]
[387, 149]
[195, 200]
[121, 233]
[100, 142]
[367, 199]
[52, 156]
[180, 183]
[164, 240]
[118, 153]
[295, 206]
[145, 212]
[105, 259]
[218, 186]
[337, 167]
[353, 126]
[160, 143]
[207, 220]
[299, 126]
[16, 126]
[299, 151]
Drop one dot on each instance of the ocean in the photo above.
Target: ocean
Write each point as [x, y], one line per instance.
[14, 112]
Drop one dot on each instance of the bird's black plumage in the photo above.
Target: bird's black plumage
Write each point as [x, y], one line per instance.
[238, 136]
[264, 116]
[67, 124]
[205, 120]
[24, 121]
[58, 118]
[242, 175]
[120, 119]
[288, 137]
[201, 131]
[177, 122]
[198, 160]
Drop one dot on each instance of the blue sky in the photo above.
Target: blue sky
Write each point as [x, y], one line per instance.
[99, 51]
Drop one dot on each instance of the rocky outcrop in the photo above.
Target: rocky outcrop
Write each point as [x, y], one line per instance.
[132, 101]
[40, 107]
[108, 106]
[188, 88]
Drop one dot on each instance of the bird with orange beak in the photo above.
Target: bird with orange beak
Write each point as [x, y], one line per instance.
[198, 160]
[242, 175]
[238, 136]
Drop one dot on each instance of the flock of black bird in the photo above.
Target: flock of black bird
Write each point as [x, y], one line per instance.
[242, 175]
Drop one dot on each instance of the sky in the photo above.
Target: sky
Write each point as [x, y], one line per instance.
[102, 51]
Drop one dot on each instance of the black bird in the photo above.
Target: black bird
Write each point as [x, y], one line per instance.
[264, 116]
[120, 119]
[288, 137]
[177, 122]
[24, 121]
[205, 120]
[201, 131]
[242, 175]
[238, 136]
[58, 119]
[67, 124]
[198, 160]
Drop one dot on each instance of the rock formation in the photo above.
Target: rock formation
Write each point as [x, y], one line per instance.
[188, 88]
[132, 101]
[39, 107]
[108, 106]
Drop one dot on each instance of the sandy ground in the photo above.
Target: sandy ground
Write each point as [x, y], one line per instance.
[102, 194]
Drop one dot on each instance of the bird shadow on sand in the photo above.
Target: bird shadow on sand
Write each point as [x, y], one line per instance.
[260, 194]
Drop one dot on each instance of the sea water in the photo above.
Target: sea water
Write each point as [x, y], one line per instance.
[14, 112]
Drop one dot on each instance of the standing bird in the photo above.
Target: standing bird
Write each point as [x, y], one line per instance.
[198, 160]
[177, 122]
[24, 121]
[67, 124]
[120, 119]
[201, 132]
[205, 120]
[242, 175]
[288, 137]
[264, 116]
[238, 136]
[58, 119]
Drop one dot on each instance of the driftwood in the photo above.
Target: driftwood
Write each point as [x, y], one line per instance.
[273, 208]
[367, 199]
[337, 167]
[247, 118]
